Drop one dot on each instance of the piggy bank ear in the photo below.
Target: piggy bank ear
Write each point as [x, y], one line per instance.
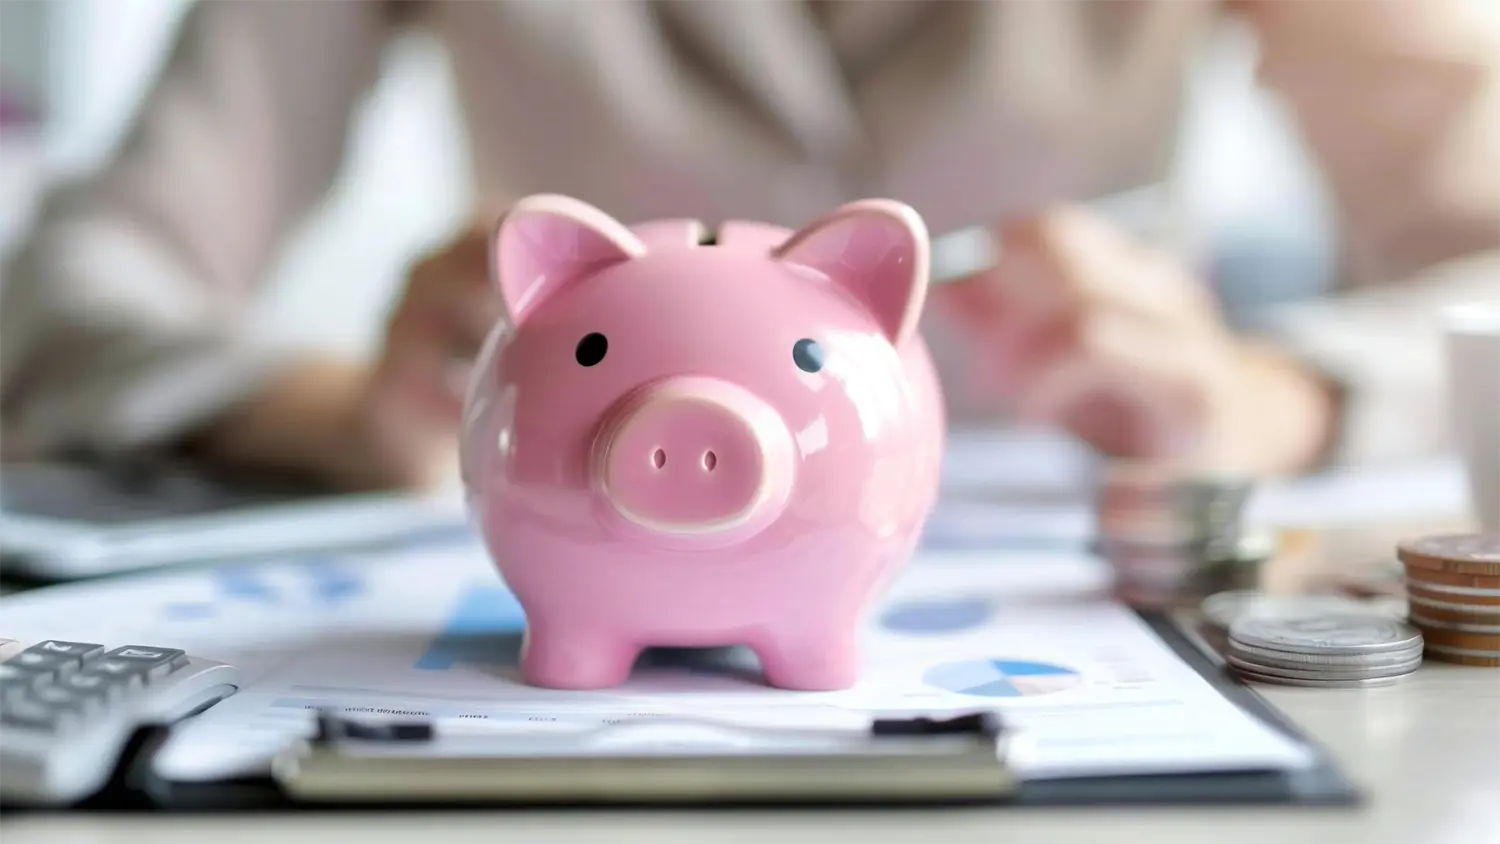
[878, 251]
[546, 242]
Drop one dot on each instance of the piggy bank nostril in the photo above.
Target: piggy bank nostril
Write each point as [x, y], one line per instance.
[659, 458]
[710, 460]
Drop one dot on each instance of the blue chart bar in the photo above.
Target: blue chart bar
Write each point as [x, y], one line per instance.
[245, 583]
[324, 582]
[484, 629]
[333, 581]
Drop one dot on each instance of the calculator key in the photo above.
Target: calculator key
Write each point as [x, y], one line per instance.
[101, 686]
[62, 700]
[78, 650]
[16, 681]
[15, 674]
[142, 654]
[117, 673]
[31, 715]
[152, 663]
[52, 657]
[35, 664]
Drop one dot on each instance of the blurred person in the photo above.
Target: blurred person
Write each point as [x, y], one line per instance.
[123, 310]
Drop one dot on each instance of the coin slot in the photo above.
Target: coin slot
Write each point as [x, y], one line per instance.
[710, 460]
[658, 458]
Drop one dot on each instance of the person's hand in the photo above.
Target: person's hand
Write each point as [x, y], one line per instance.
[1080, 327]
[413, 402]
[392, 424]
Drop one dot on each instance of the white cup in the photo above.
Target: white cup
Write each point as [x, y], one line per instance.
[1473, 359]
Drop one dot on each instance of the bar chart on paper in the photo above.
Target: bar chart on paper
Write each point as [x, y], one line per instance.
[484, 628]
[322, 582]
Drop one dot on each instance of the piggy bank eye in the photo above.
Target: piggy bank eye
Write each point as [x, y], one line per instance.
[591, 349]
[808, 355]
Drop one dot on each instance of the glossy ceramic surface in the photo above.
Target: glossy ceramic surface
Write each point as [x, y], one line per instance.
[679, 444]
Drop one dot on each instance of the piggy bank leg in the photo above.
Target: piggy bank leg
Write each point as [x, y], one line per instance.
[566, 657]
[812, 662]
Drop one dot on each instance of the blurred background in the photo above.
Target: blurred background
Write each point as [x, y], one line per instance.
[74, 70]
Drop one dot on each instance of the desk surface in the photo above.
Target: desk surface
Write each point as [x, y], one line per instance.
[1427, 751]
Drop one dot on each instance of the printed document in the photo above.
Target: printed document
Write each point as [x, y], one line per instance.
[430, 631]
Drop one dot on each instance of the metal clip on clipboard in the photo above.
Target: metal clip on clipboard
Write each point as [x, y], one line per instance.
[915, 760]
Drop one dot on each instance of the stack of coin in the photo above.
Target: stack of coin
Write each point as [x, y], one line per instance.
[1223, 609]
[1174, 537]
[1453, 596]
[1338, 649]
[1220, 610]
[1172, 502]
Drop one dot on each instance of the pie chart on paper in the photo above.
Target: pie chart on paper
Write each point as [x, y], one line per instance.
[1001, 678]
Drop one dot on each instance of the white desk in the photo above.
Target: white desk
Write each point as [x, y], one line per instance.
[1428, 750]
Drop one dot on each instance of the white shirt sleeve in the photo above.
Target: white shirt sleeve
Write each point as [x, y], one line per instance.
[124, 311]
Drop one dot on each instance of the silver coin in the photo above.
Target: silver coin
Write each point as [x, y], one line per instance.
[1294, 659]
[1252, 547]
[1310, 672]
[1367, 683]
[1222, 609]
[1332, 633]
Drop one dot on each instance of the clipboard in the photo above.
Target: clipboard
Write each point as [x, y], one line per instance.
[906, 760]
[901, 763]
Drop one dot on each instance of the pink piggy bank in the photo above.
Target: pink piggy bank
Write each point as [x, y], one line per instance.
[676, 441]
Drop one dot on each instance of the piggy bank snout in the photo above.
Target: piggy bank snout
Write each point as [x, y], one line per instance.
[695, 455]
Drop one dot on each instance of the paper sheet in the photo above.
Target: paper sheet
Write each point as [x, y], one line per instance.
[1002, 608]
[430, 630]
